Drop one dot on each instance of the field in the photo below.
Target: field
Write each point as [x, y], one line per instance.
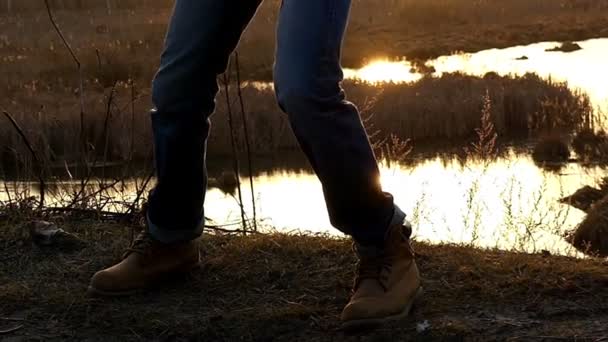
[118, 44]
[129, 35]
[292, 288]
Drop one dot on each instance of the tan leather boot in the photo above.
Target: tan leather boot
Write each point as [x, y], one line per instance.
[145, 262]
[387, 282]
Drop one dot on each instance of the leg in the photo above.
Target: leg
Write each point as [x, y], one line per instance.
[329, 129]
[201, 37]
[308, 77]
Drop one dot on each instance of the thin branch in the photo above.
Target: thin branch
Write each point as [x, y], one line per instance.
[10, 330]
[34, 155]
[247, 144]
[140, 193]
[83, 139]
[233, 144]
[85, 181]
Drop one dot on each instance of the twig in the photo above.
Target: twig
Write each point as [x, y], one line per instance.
[229, 231]
[10, 330]
[558, 338]
[14, 319]
[105, 133]
[247, 145]
[132, 144]
[87, 179]
[34, 155]
[233, 144]
[80, 85]
[139, 193]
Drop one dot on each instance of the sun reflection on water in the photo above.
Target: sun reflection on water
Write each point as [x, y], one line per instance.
[584, 69]
[384, 71]
[506, 204]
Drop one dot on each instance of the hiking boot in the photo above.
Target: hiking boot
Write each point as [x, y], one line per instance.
[145, 262]
[387, 281]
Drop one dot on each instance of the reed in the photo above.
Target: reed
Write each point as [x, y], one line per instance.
[431, 110]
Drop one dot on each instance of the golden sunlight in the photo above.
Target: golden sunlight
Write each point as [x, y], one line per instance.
[379, 71]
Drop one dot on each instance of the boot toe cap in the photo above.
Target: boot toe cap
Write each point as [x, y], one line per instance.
[362, 309]
[106, 282]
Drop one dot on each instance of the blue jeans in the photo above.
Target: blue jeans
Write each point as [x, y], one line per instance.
[200, 39]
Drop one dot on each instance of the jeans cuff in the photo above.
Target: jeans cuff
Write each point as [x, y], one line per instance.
[167, 236]
[398, 217]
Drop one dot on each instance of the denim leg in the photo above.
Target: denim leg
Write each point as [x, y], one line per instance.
[329, 129]
[201, 36]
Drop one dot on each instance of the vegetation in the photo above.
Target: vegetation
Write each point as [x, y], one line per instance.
[591, 146]
[591, 236]
[292, 288]
[551, 149]
[116, 127]
[128, 34]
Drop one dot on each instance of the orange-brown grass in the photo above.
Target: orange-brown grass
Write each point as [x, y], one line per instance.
[129, 36]
[292, 288]
[551, 148]
[591, 146]
[430, 110]
[591, 235]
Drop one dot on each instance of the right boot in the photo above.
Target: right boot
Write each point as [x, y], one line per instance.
[144, 263]
[387, 282]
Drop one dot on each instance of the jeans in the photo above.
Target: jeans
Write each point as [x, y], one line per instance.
[201, 36]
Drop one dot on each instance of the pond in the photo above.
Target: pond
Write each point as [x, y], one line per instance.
[585, 69]
[509, 203]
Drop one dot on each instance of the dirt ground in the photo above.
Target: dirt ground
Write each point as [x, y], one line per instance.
[292, 288]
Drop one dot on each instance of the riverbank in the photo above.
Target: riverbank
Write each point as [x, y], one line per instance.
[291, 288]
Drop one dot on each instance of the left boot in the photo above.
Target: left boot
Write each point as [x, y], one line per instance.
[387, 282]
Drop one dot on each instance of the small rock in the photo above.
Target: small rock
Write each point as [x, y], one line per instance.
[47, 234]
[423, 326]
[565, 47]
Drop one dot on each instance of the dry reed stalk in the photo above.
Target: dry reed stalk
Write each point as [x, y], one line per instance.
[247, 143]
[235, 157]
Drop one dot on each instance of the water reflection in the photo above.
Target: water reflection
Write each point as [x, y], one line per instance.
[507, 204]
[585, 69]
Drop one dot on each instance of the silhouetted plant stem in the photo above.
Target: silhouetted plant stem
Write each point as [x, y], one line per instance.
[247, 144]
[235, 157]
[34, 156]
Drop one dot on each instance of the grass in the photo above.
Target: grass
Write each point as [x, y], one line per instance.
[591, 146]
[447, 108]
[292, 288]
[551, 148]
[129, 37]
[591, 235]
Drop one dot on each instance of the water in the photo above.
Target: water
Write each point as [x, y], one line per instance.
[585, 69]
[509, 204]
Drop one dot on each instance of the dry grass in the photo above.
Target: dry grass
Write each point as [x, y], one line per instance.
[591, 235]
[431, 110]
[591, 146]
[292, 288]
[551, 148]
[129, 37]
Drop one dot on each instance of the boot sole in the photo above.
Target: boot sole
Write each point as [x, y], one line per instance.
[369, 323]
[92, 291]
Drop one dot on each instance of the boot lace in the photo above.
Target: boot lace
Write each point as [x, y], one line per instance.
[141, 245]
[373, 264]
